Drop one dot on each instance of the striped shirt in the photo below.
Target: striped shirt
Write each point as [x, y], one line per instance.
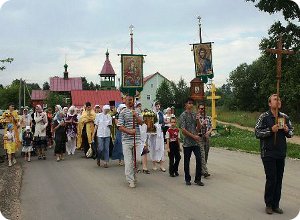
[126, 120]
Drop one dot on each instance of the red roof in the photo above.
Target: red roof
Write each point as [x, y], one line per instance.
[95, 97]
[107, 69]
[148, 77]
[39, 94]
[58, 84]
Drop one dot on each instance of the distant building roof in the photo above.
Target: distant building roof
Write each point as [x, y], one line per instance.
[58, 84]
[152, 75]
[107, 69]
[39, 94]
[95, 97]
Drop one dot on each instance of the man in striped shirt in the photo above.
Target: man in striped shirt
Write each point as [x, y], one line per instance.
[125, 124]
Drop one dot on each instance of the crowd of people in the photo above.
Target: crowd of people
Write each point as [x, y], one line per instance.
[121, 133]
[107, 133]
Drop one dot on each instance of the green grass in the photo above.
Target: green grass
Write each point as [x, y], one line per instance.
[245, 141]
[243, 118]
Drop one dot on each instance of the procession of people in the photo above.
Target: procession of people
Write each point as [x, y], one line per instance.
[92, 130]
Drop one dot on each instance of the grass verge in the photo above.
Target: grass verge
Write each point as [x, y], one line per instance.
[245, 141]
[243, 118]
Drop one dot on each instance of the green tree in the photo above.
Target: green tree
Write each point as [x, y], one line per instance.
[54, 98]
[164, 96]
[85, 84]
[289, 8]
[181, 92]
[46, 86]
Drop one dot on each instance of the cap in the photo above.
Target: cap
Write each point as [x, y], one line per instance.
[120, 107]
[137, 104]
[106, 107]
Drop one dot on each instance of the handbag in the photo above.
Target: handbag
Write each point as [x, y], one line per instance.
[89, 153]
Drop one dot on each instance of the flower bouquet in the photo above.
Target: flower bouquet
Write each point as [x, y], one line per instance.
[150, 118]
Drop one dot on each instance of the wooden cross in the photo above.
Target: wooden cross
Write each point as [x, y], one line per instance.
[213, 98]
[279, 51]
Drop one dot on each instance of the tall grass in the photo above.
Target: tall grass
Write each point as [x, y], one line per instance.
[243, 118]
[245, 141]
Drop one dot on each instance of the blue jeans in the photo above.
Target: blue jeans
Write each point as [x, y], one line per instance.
[103, 147]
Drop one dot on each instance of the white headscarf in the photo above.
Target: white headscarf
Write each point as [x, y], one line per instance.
[120, 107]
[72, 108]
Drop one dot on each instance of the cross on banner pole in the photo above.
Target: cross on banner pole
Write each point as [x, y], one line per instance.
[278, 51]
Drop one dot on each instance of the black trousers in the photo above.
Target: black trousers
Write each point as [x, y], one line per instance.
[187, 151]
[174, 154]
[274, 169]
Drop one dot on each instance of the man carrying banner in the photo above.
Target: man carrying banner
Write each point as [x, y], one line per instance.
[128, 124]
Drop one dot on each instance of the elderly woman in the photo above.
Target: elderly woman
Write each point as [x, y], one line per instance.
[103, 123]
[40, 138]
[117, 153]
[59, 127]
[71, 126]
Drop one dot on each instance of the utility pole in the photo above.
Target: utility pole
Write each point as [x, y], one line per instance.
[20, 90]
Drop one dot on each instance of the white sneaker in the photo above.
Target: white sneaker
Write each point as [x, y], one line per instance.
[14, 161]
[9, 163]
[132, 185]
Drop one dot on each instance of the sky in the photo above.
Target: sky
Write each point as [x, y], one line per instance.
[40, 34]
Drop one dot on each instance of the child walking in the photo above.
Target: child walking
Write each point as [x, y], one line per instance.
[173, 148]
[27, 143]
[10, 140]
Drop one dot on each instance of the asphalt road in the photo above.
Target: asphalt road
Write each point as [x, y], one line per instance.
[77, 189]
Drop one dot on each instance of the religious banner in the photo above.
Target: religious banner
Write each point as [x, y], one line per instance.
[203, 61]
[132, 71]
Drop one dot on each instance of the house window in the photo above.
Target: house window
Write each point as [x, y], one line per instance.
[149, 96]
[151, 85]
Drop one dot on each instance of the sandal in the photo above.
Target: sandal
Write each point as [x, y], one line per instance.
[162, 169]
[146, 171]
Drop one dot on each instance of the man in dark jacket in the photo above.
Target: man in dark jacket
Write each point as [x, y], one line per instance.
[273, 151]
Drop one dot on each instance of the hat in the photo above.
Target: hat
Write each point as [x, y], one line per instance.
[137, 104]
[112, 103]
[28, 127]
[97, 106]
[106, 107]
[120, 107]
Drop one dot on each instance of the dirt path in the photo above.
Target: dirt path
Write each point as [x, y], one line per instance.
[294, 140]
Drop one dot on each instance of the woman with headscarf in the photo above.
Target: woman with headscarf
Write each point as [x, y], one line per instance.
[117, 153]
[59, 127]
[167, 119]
[57, 109]
[156, 140]
[40, 138]
[49, 128]
[65, 110]
[11, 116]
[71, 122]
[86, 128]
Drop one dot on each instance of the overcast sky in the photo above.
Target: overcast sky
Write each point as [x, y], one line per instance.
[38, 34]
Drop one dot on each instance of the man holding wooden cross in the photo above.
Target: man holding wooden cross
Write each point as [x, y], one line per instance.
[272, 128]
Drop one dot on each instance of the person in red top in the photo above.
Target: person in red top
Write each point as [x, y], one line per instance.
[173, 147]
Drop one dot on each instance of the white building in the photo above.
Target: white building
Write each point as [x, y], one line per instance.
[151, 84]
